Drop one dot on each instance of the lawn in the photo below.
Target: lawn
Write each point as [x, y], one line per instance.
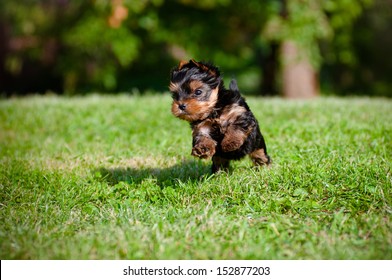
[111, 177]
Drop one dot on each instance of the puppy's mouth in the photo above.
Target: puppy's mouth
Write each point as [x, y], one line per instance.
[180, 111]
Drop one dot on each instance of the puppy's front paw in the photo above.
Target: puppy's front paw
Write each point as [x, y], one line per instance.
[205, 149]
[230, 144]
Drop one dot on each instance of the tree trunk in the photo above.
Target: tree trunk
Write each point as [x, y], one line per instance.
[299, 77]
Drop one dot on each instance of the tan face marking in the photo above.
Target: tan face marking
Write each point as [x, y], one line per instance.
[195, 84]
[195, 110]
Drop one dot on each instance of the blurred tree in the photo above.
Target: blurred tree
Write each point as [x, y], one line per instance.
[114, 45]
[223, 31]
[84, 44]
[357, 60]
[299, 26]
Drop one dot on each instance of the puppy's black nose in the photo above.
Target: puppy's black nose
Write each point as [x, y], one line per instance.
[182, 107]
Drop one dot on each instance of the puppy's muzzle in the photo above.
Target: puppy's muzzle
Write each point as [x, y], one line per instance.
[182, 107]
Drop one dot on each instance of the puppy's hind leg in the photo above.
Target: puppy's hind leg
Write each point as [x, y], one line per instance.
[259, 157]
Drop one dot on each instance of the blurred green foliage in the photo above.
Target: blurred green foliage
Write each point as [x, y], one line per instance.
[123, 45]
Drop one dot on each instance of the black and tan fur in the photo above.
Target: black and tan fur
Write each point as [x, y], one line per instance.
[223, 127]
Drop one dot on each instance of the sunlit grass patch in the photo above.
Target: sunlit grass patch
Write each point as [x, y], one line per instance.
[111, 177]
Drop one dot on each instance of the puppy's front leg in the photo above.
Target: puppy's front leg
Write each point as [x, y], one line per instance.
[237, 130]
[233, 139]
[204, 146]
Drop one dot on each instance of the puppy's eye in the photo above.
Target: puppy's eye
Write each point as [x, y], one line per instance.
[175, 95]
[198, 92]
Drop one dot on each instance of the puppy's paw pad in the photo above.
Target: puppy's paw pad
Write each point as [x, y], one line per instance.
[203, 151]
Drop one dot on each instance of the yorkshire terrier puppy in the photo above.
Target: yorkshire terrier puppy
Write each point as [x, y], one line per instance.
[223, 127]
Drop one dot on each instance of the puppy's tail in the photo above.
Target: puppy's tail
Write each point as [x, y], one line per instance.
[233, 86]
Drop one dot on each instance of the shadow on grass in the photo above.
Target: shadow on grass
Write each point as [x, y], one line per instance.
[191, 170]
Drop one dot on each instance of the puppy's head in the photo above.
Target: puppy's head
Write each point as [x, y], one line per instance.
[194, 86]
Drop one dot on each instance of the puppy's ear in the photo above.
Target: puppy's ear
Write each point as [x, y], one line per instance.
[182, 64]
[206, 67]
[197, 64]
[191, 63]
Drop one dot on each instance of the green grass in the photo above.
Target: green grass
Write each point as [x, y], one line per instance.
[111, 177]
